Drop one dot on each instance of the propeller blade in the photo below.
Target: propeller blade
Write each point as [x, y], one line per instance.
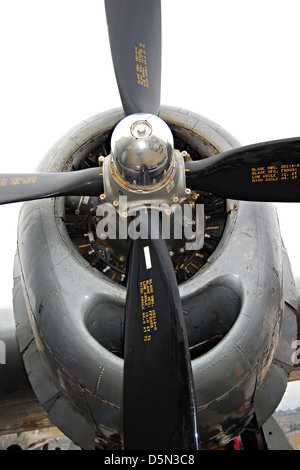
[269, 171]
[19, 187]
[134, 28]
[159, 399]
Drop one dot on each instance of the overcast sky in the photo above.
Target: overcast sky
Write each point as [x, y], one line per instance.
[236, 63]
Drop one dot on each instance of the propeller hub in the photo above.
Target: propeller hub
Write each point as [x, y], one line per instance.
[142, 149]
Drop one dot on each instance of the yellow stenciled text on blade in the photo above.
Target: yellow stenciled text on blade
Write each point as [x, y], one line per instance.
[273, 173]
[147, 301]
[141, 65]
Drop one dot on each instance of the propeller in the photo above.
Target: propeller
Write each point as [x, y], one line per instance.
[264, 172]
[159, 401]
[134, 28]
[269, 171]
[19, 187]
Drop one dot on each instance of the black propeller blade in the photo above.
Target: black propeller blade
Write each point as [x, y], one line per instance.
[134, 28]
[29, 186]
[269, 171]
[159, 401]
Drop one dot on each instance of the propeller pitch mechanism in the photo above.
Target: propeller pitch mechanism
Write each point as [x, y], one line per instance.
[142, 151]
[143, 166]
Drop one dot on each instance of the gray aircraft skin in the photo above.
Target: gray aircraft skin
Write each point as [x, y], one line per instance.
[69, 315]
[64, 338]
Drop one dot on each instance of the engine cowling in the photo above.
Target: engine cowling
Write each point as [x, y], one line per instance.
[70, 291]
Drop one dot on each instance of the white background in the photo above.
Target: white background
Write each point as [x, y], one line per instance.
[235, 62]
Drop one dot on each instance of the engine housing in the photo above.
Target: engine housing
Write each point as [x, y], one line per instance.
[238, 300]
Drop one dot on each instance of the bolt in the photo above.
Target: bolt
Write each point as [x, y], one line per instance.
[175, 199]
[141, 129]
[115, 203]
[102, 197]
